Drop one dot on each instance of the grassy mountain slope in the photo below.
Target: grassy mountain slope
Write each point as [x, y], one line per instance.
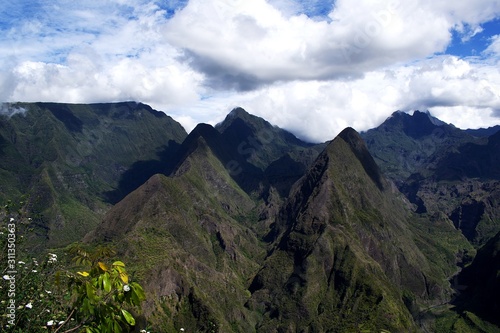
[245, 228]
[72, 159]
[345, 258]
[186, 238]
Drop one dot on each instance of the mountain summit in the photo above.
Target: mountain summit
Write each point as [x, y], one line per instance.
[328, 268]
[442, 169]
[403, 143]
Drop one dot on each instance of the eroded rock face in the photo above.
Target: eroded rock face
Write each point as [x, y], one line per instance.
[467, 216]
[472, 205]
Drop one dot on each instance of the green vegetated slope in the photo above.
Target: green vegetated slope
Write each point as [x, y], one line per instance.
[345, 258]
[404, 143]
[262, 143]
[185, 236]
[193, 237]
[476, 306]
[71, 160]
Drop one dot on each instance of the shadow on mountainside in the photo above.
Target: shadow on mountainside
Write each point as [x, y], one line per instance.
[141, 171]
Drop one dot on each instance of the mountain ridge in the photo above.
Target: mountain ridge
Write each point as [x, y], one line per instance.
[67, 159]
[243, 227]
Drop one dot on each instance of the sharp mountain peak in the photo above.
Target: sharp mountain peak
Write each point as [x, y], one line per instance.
[360, 150]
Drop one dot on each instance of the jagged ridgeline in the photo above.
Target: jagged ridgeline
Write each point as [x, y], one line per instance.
[243, 227]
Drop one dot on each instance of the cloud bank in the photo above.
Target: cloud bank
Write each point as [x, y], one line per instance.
[313, 67]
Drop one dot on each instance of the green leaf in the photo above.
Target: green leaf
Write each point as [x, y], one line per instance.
[138, 290]
[117, 328]
[106, 283]
[128, 317]
[90, 291]
[87, 307]
[134, 299]
[119, 263]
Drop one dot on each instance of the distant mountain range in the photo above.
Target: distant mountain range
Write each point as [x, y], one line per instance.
[442, 170]
[242, 227]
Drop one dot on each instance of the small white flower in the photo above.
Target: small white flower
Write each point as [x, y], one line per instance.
[52, 259]
[182, 329]
[6, 277]
[61, 322]
[126, 288]
[50, 323]
[34, 270]
[21, 262]
[11, 219]
[29, 305]
[48, 291]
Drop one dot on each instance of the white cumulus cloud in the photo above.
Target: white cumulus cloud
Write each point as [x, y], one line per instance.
[312, 66]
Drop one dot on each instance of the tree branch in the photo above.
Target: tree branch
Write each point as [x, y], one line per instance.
[57, 330]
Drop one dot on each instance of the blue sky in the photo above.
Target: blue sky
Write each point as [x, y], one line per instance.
[476, 44]
[313, 67]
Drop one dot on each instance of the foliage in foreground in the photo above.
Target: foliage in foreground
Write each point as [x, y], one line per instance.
[89, 293]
